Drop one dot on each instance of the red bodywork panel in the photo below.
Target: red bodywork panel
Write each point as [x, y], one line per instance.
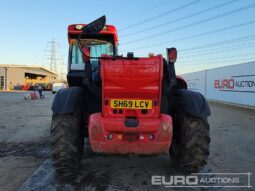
[130, 140]
[108, 30]
[135, 82]
[126, 79]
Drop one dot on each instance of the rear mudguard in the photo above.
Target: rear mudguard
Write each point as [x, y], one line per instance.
[68, 100]
[193, 103]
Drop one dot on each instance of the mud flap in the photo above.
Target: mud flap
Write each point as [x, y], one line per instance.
[193, 103]
[68, 100]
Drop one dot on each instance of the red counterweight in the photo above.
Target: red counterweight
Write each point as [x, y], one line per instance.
[130, 121]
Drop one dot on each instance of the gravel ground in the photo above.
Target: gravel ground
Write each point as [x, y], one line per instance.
[25, 163]
[24, 135]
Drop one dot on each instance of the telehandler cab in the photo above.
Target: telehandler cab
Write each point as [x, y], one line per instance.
[125, 105]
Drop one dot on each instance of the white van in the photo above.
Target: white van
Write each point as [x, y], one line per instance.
[58, 86]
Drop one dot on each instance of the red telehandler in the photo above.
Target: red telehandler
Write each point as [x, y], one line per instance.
[125, 105]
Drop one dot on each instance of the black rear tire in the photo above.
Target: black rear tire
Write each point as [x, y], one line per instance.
[190, 146]
[67, 141]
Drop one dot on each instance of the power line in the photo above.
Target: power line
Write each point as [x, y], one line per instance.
[39, 61]
[35, 58]
[181, 18]
[217, 58]
[194, 36]
[161, 15]
[214, 64]
[222, 50]
[195, 23]
[229, 41]
[185, 69]
[156, 6]
[215, 55]
[146, 10]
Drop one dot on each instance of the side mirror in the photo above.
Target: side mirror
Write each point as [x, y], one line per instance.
[171, 55]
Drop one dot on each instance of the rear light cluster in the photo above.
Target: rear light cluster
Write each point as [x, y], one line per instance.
[116, 111]
[120, 111]
[130, 137]
[151, 137]
[110, 136]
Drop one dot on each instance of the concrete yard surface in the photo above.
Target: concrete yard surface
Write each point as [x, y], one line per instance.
[14, 170]
[25, 162]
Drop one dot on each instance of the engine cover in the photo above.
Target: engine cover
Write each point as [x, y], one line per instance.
[131, 87]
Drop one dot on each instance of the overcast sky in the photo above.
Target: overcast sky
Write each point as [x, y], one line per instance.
[207, 33]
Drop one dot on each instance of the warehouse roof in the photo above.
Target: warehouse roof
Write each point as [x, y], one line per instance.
[35, 68]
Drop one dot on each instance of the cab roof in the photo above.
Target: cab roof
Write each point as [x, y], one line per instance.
[108, 30]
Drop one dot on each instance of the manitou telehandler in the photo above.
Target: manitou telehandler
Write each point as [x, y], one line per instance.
[125, 105]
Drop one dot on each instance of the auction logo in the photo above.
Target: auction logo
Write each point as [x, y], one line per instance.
[224, 84]
[204, 180]
[244, 83]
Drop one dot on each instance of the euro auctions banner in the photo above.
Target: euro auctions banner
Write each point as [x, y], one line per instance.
[233, 84]
[243, 83]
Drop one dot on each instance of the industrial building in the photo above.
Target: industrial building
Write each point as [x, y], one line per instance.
[22, 77]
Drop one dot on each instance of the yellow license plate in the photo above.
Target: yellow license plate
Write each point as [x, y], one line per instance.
[131, 104]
